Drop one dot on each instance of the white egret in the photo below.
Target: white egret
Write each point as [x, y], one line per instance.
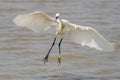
[39, 21]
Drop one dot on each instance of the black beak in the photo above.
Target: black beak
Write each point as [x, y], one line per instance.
[56, 18]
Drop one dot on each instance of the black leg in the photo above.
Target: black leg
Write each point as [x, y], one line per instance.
[59, 57]
[46, 57]
[60, 46]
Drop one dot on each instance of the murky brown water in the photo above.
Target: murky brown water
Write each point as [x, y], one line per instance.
[22, 50]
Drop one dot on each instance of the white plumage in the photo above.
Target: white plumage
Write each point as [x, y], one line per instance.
[39, 21]
[86, 36]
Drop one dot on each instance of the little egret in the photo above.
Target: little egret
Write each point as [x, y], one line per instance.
[39, 21]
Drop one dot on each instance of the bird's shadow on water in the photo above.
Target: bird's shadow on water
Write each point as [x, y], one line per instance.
[67, 76]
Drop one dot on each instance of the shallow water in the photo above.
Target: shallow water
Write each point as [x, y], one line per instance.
[22, 50]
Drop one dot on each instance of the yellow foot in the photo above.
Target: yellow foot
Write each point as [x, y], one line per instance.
[59, 59]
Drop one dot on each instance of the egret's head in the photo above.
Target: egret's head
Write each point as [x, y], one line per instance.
[57, 16]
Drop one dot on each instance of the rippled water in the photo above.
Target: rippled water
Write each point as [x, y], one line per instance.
[22, 50]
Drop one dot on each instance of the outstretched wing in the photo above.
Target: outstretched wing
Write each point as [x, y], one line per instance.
[37, 21]
[88, 36]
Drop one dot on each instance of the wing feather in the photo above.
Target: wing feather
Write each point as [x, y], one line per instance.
[37, 21]
[89, 36]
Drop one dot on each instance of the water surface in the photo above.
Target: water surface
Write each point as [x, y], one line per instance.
[22, 50]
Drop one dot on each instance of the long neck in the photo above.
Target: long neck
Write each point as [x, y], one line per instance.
[59, 29]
